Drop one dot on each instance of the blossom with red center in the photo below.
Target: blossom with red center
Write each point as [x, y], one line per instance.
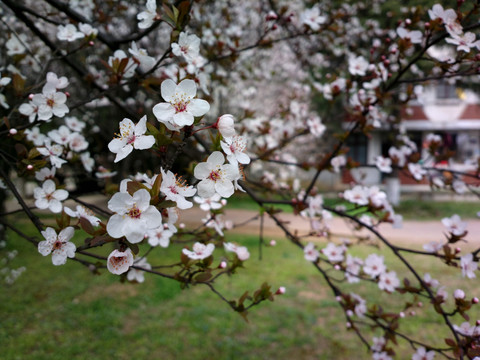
[59, 246]
[234, 148]
[48, 197]
[215, 176]
[200, 251]
[119, 262]
[180, 107]
[131, 136]
[188, 46]
[176, 190]
[374, 265]
[133, 217]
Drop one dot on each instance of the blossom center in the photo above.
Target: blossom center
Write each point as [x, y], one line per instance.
[215, 175]
[57, 245]
[50, 102]
[134, 212]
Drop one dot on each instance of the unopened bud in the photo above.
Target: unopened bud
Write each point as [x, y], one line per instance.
[349, 313]
[225, 125]
[274, 27]
[223, 265]
[29, 167]
[13, 131]
[459, 294]
[457, 250]
[412, 313]
[67, 94]
[338, 298]
[401, 314]
[30, 97]
[420, 304]
[477, 322]
[427, 25]
[273, 242]
[91, 43]
[181, 226]
[475, 300]
[223, 202]
[337, 267]
[408, 21]
[348, 324]
[281, 290]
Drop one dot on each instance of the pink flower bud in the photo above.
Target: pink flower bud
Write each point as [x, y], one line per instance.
[475, 300]
[338, 298]
[13, 131]
[225, 125]
[412, 313]
[223, 202]
[401, 314]
[459, 294]
[348, 324]
[223, 265]
[337, 267]
[91, 43]
[273, 242]
[67, 94]
[281, 290]
[349, 313]
[477, 322]
[420, 304]
[30, 97]
[181, 226]
[29, 167]
[408, 21]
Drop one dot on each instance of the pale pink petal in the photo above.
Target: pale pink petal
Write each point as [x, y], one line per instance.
[188, 87]
[134, 234]
[60, 194]
[183, 118]
[163, 111]
[59, 257]
[120, 203]
[144, 142]
[198, 107]
[142, 199]
[141, 126]
[70, 249]
[41, 203]
[123, 152]
[202, 170]
[116, 144]
[49, 186]
[55, 206]
[66, 234]
[126, 125]
[216, 158]
[44, 248]
[115, 226]
[152, 217]
[168, 88]
[206, 188]
[224, 188]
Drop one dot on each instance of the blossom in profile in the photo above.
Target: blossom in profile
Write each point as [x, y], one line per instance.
[53, 152]
[48, 197]
[180, 107]
[119, 262]
[147, 17]
[58, 245]
[69, 33]
[455, 225]
[199, 251]
[159, 236]
[465, 42]
[132, 136]
[215, 176]
[415, 36]
[175, 190]
[310, 253]
[241, 251]
[141, 55]
[82, 212]
[468, 266]
[138, 275]
[133, 217]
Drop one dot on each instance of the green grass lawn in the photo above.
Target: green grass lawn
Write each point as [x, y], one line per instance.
[410, 209]
[66, 312]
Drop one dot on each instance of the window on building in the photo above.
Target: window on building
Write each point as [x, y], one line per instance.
[357, 143]
[444, 91]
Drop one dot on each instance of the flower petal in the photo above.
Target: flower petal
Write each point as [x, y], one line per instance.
[188, 87]
[168, 88]
[198, 107]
